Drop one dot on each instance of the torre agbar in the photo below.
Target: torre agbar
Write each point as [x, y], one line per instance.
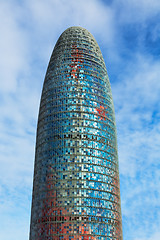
[76, 191]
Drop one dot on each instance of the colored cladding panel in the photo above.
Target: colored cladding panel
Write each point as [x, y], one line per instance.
[76, 180]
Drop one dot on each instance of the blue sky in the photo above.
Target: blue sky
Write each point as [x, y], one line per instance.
[128, 33]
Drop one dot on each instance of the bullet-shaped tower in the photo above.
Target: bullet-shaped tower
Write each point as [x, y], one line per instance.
[76, 191]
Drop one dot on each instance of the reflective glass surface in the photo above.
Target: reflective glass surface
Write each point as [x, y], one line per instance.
[76, 180]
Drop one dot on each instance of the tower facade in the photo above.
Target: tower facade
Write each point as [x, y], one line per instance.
[76, 191]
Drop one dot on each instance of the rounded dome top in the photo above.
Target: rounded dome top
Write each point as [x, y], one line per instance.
[82, 38]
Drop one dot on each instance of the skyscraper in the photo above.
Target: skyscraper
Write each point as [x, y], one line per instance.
[76, 178]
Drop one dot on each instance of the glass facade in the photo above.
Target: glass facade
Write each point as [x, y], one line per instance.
[76, 178]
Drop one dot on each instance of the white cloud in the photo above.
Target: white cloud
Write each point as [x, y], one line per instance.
[136, 11]
[13, 48]
[155, 236]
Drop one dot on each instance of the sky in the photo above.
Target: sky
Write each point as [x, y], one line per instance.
[128, 33]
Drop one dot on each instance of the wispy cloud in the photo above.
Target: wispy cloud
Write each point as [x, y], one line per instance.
[155, 236]
[13, 48]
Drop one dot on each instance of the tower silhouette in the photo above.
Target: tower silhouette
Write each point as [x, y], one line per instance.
[76, 191]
